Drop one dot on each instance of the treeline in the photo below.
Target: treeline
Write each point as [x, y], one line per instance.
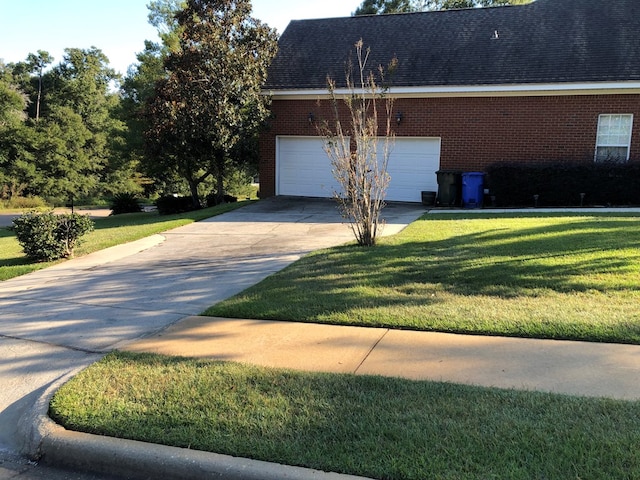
[74, 129]
[62, 129]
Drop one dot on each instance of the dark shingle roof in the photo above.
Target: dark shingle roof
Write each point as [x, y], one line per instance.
[548, 41]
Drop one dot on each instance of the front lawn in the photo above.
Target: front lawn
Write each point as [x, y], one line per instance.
[378, 427]
[109, 231]
[528, 275]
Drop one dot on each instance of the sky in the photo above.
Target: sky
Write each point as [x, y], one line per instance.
[119, 27]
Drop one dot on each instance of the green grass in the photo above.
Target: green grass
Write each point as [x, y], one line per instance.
[109, 231]
[556, 276]
[372, 426]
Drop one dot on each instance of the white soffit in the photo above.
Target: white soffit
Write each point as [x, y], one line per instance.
[515, 90]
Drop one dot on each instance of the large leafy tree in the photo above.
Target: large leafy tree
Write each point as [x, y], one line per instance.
[82, 109]
[373, 7]
[211, 100]
[16, 171]
[162, 15]
[139, 86]
[12, 100]
[79, 152]
[64, 156]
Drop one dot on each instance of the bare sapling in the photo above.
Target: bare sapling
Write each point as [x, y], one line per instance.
[359, 154]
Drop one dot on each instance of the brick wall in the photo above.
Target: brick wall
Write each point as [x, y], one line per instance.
[475, 132]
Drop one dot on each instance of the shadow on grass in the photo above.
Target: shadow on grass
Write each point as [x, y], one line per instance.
[19, 259]
[568, 257]
[408, 279]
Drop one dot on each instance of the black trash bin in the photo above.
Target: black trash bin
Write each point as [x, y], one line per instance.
[449, 188]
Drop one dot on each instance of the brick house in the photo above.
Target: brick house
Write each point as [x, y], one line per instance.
[555, 80]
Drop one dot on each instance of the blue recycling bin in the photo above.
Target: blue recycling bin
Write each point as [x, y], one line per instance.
[472, 189]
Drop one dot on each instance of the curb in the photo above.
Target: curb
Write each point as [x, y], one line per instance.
[53, 445]
[137, 460]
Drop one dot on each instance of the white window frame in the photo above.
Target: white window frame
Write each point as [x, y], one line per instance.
[614, 131]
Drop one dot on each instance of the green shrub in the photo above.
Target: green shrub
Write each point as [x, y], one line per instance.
[564, 184]
[47, 236]
[170, 204]
[212, 199]
[124, 203]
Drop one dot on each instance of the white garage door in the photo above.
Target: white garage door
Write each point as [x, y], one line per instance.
[304, 169]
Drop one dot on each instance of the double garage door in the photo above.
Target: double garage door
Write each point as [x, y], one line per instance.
[304, 169]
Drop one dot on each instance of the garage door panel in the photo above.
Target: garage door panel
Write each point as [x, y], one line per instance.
[412, 166]
[304, 169]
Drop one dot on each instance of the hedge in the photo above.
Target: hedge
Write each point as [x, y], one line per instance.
[563, 184]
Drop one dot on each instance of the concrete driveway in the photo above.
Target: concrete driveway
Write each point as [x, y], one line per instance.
[63, 318]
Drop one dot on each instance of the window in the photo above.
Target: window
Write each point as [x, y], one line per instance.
[614, 138]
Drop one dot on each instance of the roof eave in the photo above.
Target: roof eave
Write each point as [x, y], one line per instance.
[524, 89]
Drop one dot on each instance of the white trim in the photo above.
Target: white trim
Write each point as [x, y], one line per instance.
[541, 89]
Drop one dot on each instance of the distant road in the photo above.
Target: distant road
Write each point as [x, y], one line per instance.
[6, 219]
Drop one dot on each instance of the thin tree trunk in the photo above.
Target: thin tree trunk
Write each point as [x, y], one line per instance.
[219, 178]
[39, 95]
[193, 188]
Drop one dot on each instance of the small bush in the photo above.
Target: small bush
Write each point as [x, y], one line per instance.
[169, 204]
[124, 203]
[212, 199]
[23, 203]
[47, 236]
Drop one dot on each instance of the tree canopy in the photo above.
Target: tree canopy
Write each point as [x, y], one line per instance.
[12, 102]
[61, 134]
[376, 7]
[76, 129]
[210, 102]
[14, 169]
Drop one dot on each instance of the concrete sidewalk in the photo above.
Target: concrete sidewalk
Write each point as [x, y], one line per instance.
[573, 368]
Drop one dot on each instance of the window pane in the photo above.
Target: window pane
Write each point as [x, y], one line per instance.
[617, 125]
[611, 154]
